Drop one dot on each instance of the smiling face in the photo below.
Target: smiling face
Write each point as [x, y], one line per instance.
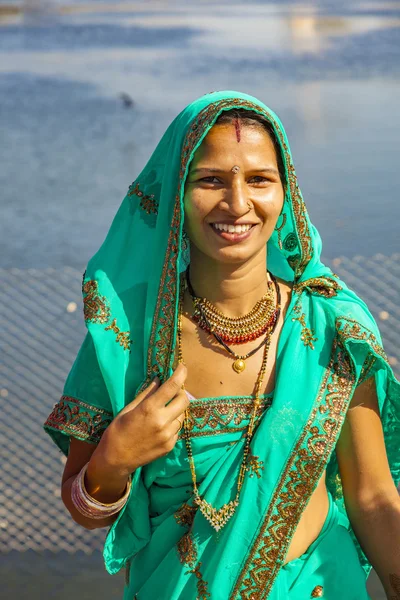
[230, 214]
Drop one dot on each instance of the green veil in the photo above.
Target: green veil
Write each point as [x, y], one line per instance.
[328, 344]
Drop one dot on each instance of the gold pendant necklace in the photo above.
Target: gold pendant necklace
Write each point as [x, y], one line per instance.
[239, 363]
[218, 517]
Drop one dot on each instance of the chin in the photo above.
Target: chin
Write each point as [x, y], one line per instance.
[232, 255]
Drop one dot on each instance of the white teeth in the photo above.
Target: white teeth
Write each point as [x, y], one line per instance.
[231, 228]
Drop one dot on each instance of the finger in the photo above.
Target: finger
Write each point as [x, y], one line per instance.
[177, 407]
[146, 393]
[175, 430]
[170, 388]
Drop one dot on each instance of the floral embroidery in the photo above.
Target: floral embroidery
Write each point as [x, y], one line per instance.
[95, 307]
[187, 549]
[317, 592]
[148, 203]
[307, 334]
[79, 419]
[185, 515]
[202, 591]
[290, 242]
[254, 465]
[97, 310]
[303, 469]
[122, 336]
[322, 286]
[161, 338]
[222, 415]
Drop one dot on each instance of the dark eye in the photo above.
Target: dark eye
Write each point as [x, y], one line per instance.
[210, 179]
[258, 179]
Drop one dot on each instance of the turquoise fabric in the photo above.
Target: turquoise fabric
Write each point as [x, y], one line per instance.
[330, 568]
[328, 344]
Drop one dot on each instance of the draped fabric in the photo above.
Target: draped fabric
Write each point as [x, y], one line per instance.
[329, 342]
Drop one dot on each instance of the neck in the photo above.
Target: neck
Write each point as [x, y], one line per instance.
[233, 289]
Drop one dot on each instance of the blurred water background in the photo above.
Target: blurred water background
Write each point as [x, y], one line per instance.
[86, 90]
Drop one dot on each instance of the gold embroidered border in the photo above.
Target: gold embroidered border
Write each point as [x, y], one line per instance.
[323, 286]
[211, 417]
[279, 229]
[351, 329]
[367, 367]
[163, 327]
[75, 418]
[303, 469]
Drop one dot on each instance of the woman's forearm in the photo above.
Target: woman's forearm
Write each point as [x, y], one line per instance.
[377, 528]
[76, 515]
[103, 483]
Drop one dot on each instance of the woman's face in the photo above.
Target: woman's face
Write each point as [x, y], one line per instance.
[218, 198]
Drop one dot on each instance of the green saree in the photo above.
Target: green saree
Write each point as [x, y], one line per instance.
[328, 344]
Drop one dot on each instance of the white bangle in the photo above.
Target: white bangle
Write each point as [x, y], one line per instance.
[90, 507]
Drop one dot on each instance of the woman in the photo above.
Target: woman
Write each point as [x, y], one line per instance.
[257, 467]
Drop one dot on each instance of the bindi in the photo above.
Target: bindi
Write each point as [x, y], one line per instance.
[237, 129]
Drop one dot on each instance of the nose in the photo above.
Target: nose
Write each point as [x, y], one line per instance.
[236, 199]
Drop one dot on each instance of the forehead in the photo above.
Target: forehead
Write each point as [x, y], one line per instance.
[221, 144]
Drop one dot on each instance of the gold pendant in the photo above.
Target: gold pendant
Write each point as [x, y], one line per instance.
[239, 365]
[217, 517]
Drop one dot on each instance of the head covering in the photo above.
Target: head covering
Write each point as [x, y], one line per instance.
[328, 344]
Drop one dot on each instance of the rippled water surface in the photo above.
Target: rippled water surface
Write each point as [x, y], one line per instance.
[70, 145]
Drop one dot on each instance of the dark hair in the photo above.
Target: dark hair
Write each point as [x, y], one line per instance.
[254, 119]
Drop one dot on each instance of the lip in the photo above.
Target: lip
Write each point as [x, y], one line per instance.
[233, 223]
[234, 238]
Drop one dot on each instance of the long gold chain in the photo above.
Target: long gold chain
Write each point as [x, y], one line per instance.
[218, 517]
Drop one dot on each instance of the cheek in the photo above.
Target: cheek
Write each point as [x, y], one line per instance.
[270, 208]
[196, 209]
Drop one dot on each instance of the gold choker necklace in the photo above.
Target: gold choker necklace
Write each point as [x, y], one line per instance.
[234, 330]
[218, 517]
[239, 363]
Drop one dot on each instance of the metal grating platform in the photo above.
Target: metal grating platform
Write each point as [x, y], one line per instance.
[42, 327]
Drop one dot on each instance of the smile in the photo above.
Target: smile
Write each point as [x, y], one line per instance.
[232, 228]
[233, 233]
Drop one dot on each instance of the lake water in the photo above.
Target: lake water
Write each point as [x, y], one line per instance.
[70, 147]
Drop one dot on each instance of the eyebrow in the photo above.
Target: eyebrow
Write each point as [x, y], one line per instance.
[211, 170]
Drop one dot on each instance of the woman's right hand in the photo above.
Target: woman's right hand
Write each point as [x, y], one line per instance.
[146, 429]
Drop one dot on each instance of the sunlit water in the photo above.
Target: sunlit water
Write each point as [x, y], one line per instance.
[70, 146]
